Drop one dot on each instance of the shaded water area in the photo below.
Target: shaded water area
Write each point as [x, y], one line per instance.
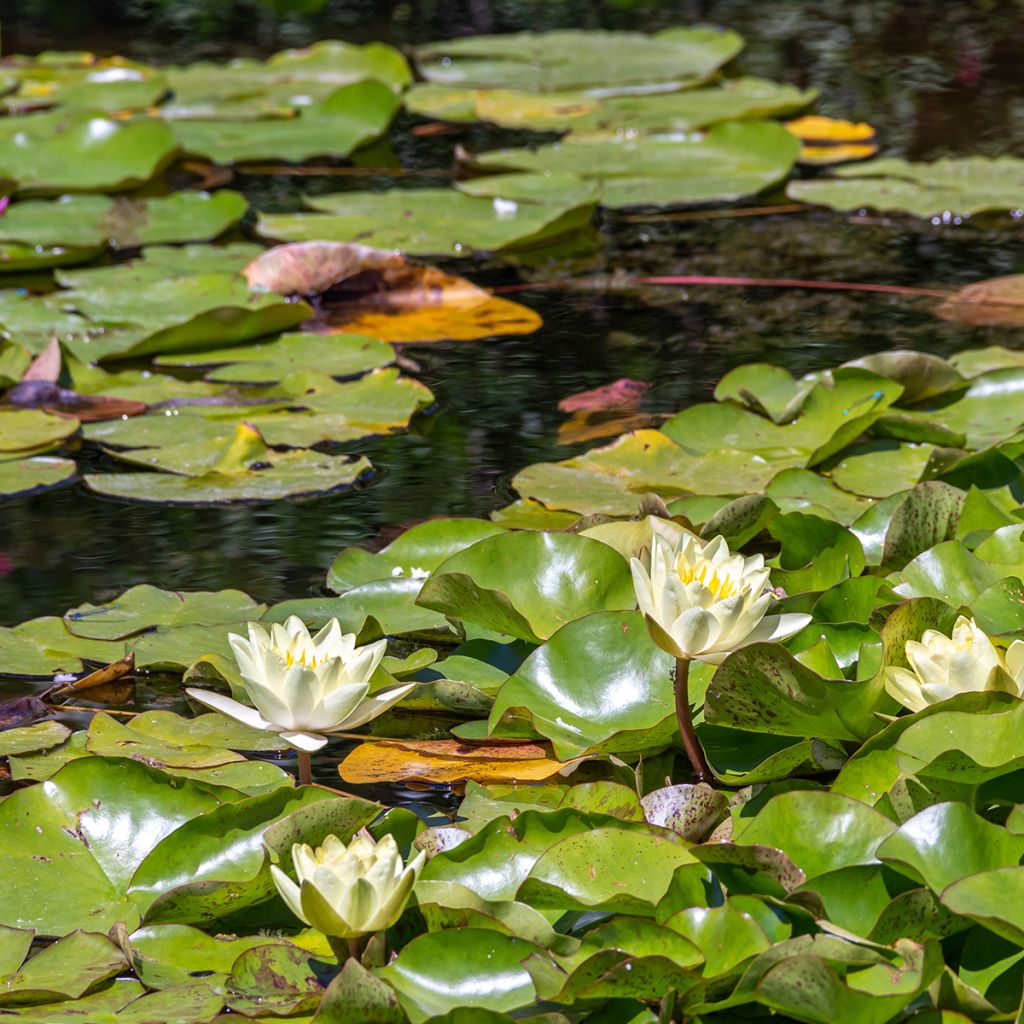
[934, 79]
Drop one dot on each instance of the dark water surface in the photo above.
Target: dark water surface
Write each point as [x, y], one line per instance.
[935, 78]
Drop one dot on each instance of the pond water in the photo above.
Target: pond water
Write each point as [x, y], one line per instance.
[947, 84]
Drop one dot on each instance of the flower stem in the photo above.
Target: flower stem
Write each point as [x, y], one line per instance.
[346, 949]
[699, 763]
[305, 769]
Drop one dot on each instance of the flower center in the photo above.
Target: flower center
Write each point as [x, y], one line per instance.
[704, 572]
[305, 659]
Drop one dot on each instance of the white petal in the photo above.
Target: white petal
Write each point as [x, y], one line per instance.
[1015, 661]
[227, 706]
[903, 686]
[340, 703]
[310, 742]
[696, 630]
[374, 705]
[289, 892]
[642, 586]
[777, 627]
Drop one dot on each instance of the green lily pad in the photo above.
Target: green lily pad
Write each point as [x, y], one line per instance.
[796, 821]
[219, 865]
[72, 846]
[182, 312]
[612, 479]
[431, 221]
[729, 162]
[605, 868]
[613, 61]
[801, 490]
[960, 186]
[274, 979]
[598, 684]
[496, 860]
[767, 389]
[583, 111]
[883, 471]
[417, 552]
[337, 355]
[468, 967]
[763, 688]
[144, 606]
[67, 969]
[969, 844]
[30, 476]
[82, 151]
[292, 474]
[110, 85]
[334, 126]
[26, 432]
[164, 955]
[92, 221]
[991, 897]
[529, 585]
[16, 258]
[30, 738]
[831, 417]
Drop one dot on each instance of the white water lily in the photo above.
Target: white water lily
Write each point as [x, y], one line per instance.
[942, 666]
[304, 687]
[702, 601]
[346, 892]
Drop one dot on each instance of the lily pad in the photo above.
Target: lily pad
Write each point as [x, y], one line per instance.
[431, 221]
[583, 111]
[76, 842]
[612, 61]
[528, 585]
[959, 186]
[416, 553]
[469, 967]
[81, 151]
[598, 684]
[729, 162]
[93, 221]
[26, 432]
[334, 126]
[144, 606]
[29, 476]
[337, 355]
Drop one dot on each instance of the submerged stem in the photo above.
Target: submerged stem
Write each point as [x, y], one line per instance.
[305, 769]
[699, 763]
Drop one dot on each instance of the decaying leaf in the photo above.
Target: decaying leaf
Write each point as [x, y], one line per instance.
[831, 140]
[450, 762]
[997, 302]
[385, 295]
[621, 394]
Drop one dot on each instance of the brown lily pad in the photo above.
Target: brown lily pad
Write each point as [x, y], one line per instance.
[380, 293]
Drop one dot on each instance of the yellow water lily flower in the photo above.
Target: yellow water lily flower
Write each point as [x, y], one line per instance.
[702, 601]
[304, 687]
[349, 891]
[942, 666]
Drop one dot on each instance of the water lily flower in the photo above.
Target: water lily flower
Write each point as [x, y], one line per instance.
[702, 601]
[942, 666]
[304, 687]
[349, 891]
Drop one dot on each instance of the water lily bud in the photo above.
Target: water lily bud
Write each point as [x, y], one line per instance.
[348, 891]
[702, 601]
[304, 687]
[942, 666]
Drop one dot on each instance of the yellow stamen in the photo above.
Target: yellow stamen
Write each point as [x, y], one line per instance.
[704, 572]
